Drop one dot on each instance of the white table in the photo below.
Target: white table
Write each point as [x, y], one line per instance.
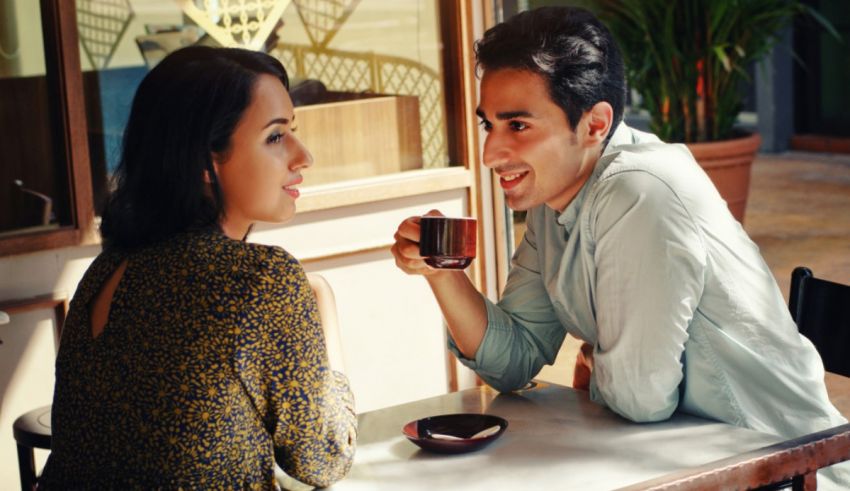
[557, 439]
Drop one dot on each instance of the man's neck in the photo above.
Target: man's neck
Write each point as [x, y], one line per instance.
[572, 191]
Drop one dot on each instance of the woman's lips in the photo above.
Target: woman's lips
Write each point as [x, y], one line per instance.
[291, 191]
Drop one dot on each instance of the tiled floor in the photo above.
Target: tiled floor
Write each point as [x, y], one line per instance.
[799, 214]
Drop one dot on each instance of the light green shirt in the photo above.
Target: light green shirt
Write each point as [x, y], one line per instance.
[648, 265]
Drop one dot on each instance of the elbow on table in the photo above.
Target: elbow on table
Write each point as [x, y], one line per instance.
[504, 382]
[641, 407]
[319, 475]
[646, 414]
[324, 480]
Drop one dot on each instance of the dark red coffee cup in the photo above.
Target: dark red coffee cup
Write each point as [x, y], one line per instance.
[447, 242]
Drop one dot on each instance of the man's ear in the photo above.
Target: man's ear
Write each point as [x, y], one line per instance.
[599, 120]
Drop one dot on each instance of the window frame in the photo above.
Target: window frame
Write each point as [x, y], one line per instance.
[65, 87]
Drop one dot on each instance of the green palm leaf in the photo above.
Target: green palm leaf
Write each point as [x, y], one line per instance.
[672, 47]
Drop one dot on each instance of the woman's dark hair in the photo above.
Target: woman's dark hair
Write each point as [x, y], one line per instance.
[185, 110]
[570, 48]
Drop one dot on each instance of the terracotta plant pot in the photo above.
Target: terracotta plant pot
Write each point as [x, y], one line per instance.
[728, 164]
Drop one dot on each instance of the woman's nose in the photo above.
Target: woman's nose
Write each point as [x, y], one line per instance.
[301, 157]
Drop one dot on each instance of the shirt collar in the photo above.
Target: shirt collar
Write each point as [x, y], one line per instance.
[622, 136]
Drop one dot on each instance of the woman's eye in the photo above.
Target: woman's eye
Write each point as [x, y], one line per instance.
[485, 125]
[518, 125]
[274, 138]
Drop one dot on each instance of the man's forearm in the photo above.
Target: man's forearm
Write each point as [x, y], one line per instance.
[463, 309]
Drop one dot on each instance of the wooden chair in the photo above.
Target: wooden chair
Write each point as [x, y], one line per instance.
[32, 429]
[821, 310]
[326, 302]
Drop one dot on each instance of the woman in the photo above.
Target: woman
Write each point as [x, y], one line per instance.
[191, 358]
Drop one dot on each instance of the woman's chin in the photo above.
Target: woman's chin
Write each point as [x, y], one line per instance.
[284, 216]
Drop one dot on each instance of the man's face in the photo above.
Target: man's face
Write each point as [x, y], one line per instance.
[529, 143]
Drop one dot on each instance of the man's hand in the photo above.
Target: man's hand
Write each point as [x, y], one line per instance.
[584, 365]
[406, 247]
[461, 304]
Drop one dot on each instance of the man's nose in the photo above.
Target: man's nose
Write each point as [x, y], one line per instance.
[496, 151]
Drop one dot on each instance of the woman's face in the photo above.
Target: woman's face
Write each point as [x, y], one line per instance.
[259, 173]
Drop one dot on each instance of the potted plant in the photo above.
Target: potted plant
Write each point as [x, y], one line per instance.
[687, 60]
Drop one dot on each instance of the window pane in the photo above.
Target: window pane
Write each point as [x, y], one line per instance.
[375, 68]
[366, 74]
[34, 194]
[113, 37]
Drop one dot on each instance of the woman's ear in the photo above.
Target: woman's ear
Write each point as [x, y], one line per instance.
[599, 118]
[216, 161]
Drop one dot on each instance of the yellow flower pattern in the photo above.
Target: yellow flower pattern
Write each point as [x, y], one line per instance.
[211, 367]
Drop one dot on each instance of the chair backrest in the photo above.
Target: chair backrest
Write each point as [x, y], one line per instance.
[821, 310]
[326, 303]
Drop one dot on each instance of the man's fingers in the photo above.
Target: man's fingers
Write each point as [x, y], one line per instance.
[409, 262]
[408, 229]
[405, 250]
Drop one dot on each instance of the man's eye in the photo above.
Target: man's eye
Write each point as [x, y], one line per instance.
[485, 125]
[518, 125]
[274, 138]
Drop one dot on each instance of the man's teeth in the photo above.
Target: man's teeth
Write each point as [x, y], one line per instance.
[511, 177]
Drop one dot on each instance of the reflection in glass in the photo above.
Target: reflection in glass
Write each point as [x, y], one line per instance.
[366, 74]
[101, 25]
[363, 51]
[34, 192]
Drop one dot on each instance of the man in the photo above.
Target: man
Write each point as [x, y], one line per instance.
[629, 247]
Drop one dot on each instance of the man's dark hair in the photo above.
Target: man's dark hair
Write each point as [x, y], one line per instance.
[184, 111]
[570, 48]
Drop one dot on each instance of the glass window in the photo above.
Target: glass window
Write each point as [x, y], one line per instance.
[34, 191]
[366, 74]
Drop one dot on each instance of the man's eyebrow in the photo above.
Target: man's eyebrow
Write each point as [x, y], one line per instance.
[506, 115]
[514, 114]
[278, 121]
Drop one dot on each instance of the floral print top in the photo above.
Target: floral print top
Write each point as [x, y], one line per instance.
[211, 367]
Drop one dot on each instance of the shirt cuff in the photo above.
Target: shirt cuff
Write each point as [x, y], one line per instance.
[489, 357]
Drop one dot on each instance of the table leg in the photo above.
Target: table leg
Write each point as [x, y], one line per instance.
[805, 482]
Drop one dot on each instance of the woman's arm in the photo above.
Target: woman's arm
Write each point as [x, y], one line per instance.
[309, 408]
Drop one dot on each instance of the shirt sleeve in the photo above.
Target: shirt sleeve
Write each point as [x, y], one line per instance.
[306, 407]
[523, 333]
[650, 267]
